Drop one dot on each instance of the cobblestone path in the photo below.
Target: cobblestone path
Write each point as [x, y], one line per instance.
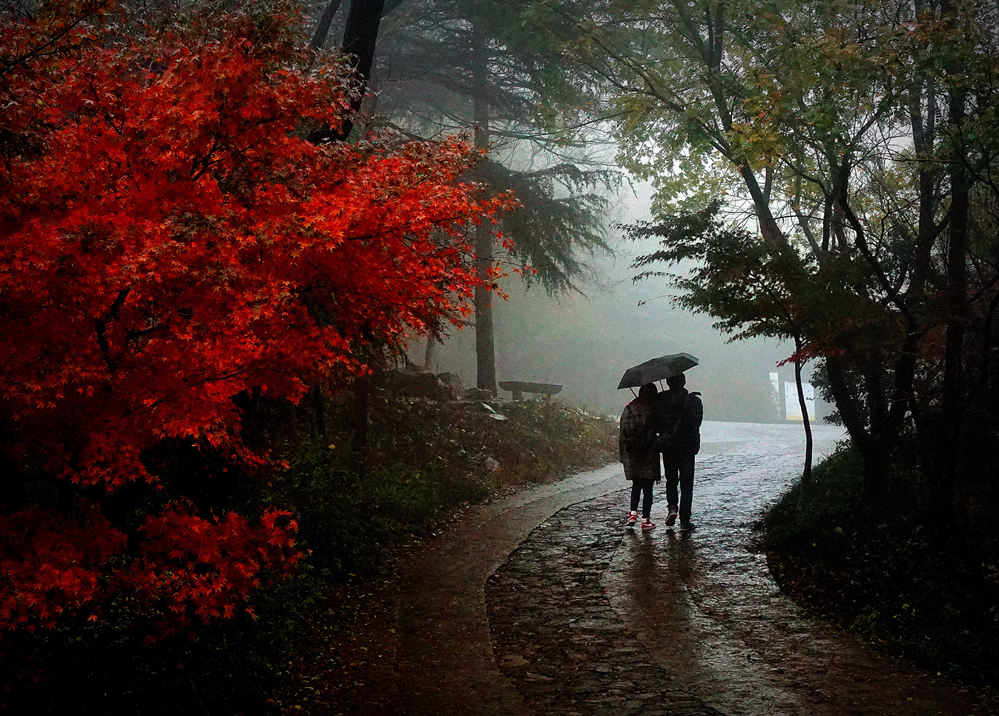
[587, 617]
[542, 603]
[555, 633]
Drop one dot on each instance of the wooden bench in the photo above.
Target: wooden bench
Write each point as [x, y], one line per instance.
[519, 387]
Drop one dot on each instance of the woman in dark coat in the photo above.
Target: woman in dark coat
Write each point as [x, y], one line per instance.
[636, 445]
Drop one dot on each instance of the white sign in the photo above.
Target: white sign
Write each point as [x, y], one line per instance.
[792, 409]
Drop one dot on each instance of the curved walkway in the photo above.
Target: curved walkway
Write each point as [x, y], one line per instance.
[543, 603]
[556, 634]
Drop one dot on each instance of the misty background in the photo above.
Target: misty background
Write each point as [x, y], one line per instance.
[586, 341]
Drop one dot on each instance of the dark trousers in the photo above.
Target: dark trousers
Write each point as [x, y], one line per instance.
[679, 468]
[643, 488]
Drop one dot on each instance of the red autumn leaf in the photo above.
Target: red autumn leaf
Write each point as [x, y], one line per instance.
[169, 237]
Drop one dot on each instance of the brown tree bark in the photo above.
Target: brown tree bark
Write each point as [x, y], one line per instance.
[957, 282]
[485, 346]
[806, 475]
[360, 36]
[323, 25]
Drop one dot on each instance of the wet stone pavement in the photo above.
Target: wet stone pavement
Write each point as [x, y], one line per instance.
[588, 617]
[555, 633]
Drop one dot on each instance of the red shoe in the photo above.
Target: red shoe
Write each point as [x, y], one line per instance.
[647, 525]
[632, 519]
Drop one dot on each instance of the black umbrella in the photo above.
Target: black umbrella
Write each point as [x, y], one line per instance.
[657, 369]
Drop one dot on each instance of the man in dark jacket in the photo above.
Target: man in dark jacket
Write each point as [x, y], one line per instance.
[679, 414]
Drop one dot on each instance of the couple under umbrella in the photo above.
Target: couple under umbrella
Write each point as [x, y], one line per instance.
[665, 423]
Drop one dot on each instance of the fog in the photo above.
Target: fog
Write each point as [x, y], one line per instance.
[585, 342]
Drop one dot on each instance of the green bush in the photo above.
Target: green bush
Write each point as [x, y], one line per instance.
[881, 571]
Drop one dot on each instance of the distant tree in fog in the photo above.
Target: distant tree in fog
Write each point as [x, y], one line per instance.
[448, 66]
[858, 140]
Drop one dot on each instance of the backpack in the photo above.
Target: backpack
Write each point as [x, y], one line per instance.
[670, 419]
[669, 435]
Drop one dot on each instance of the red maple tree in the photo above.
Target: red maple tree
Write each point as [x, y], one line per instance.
[170, 239]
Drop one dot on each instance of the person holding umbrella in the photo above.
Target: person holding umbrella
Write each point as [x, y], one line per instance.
[637, 449]
[678, 415]
[676, 419]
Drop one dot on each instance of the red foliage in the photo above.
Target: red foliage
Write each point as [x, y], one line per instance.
[170, 239]
[195, 567]
[51, 566]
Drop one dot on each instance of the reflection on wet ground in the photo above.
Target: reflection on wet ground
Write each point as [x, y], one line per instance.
[587, 617]
[555, 633]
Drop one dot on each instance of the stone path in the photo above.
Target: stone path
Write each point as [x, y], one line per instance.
[590, 618]
[543, 603]
[556, 635]
[445, 659]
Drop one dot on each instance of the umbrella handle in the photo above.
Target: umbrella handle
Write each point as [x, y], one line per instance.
[633, 392]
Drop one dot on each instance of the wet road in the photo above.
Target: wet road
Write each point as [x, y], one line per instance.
[587, 617]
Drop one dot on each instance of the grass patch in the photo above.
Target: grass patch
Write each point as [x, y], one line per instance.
[884, 572]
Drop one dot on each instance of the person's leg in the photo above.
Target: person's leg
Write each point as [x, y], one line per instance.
[670, 473]
[646, 499]
[636, 491]
[685, 464]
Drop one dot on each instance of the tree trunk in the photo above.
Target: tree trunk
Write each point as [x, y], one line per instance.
[874, 452]
[876, 462]
[954, 399]
[957, 292]
[846, 402]
[359, 39]
[485, 348]
[359, 415]
[323, 25]
[317, 411]
[360, 36]
[806, 475]
[433, 338]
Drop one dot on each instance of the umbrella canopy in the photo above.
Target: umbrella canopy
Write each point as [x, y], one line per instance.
[657, 369]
